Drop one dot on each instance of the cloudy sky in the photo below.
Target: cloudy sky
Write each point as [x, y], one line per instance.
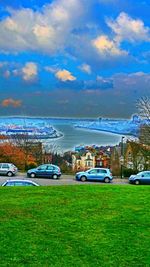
[74, 58]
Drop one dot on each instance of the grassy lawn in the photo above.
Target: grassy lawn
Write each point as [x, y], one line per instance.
[88, 225]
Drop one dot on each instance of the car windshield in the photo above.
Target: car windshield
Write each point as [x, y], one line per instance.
[140, 173]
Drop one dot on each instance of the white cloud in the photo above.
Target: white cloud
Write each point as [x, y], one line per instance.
[86, 68]
[107, 47]
[29, 71]
[48, 30]
[65, 75]
[129, 29]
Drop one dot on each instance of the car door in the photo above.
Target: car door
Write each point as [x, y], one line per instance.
[50, 171]
[92, 174]
[146, 178]
[41, 171]
[4, 168]
[101, 174]
[0, 168]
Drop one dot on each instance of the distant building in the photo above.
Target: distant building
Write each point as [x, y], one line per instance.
[47, 157]
[91, 158]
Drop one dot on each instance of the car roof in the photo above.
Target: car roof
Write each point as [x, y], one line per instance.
[143, 172]
[6, 163]
[20, 180]
[100, 168]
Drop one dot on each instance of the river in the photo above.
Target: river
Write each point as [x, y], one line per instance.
[73, 137]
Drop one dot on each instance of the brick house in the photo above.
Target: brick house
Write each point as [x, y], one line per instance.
[84, 160]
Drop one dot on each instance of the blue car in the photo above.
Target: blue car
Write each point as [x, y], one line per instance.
[45, 171]
[95, 174]
[19, 183]
[140, 178]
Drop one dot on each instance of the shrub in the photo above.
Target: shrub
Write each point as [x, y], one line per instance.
[31, 165]
[128, 172]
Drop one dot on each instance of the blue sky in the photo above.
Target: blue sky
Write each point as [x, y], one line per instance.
[75, 58]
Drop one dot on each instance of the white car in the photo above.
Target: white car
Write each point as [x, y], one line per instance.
[19, 183]
[8, 169]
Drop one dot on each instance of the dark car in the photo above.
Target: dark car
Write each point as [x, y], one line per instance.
[140, 178]
[19, 183]
[95, 174]
[45, 171]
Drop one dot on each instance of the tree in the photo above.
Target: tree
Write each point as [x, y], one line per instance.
[32, 148]
[143, 106]
[137, 156]
[14, 154]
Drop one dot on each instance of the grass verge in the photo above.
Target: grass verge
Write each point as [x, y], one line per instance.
[87, 226]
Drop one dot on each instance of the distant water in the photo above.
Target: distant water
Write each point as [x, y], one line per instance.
[75, 136]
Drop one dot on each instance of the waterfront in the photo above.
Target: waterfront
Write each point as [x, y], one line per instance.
[73, 137]
[67, 134]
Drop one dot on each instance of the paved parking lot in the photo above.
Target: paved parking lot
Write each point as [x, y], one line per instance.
[64, 180]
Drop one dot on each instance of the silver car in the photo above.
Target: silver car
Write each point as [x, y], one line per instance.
[8, 169]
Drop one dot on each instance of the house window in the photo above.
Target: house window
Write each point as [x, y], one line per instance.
[89, 163]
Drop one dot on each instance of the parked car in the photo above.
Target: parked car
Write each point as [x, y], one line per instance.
[8, 169]
[140, 178]
[45, 170]
[19, 183]
[96, 174]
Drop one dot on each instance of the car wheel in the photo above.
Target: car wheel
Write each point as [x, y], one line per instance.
[32, 175]
[55, 176]
[107, 180]
[83, 178]
[9, 174]
[137, 182]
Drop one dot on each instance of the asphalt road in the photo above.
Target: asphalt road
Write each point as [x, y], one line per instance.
[64, 180]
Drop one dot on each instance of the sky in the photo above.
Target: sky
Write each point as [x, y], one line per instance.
[74, 58]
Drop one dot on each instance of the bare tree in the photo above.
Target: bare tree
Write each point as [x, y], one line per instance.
[143, 105]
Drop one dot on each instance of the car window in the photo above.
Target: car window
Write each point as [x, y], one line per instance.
[28, 184]
[50, 168]
[0, 165]
[5, 166]
[42, 168]
[93, 171]
[146, 174]
[102, 171]
[19, 183]
[9, 184]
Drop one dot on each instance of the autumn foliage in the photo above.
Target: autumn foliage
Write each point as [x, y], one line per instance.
[16, 155]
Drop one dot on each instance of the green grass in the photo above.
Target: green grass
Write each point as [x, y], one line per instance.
[88, 225]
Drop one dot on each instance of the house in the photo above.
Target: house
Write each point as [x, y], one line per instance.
[90, 158]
